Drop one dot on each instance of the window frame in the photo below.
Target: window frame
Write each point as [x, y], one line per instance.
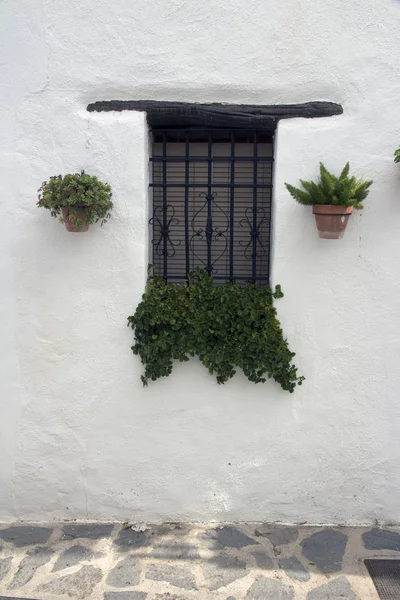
[163, 222]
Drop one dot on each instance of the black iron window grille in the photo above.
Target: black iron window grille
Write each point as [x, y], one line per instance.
[211, 204]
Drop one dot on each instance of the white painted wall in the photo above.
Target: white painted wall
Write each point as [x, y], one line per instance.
[79, 436]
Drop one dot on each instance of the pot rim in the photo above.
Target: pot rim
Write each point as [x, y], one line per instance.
[332, 209]
[80, 206]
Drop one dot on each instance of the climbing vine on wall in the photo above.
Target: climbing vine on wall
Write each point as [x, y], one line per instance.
[226, 326]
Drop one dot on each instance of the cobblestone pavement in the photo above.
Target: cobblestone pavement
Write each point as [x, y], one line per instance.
[184, 562]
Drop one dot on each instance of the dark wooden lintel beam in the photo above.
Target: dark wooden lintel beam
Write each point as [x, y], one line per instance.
[184, 114]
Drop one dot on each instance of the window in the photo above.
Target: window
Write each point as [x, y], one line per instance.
[211, 204]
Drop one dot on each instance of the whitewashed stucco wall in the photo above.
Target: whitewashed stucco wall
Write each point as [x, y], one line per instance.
[79, 436]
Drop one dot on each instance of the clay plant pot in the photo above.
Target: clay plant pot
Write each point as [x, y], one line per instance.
[81, 216]
[331, 220]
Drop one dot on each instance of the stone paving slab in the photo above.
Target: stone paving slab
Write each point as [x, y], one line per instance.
[170, 561]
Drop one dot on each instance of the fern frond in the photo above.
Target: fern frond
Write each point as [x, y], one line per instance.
[361, 190]
[344, 174]
[328, 181]
[299, 195]
[315, 192]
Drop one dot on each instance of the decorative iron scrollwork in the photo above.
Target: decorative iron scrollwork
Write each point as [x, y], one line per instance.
[208, 232]
[254, 218]
[162, 222]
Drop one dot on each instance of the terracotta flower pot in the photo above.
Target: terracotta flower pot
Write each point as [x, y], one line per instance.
[81, 216]
[331, 220]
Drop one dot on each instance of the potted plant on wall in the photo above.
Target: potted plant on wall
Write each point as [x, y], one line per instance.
[397, 156]
[333, 199]
[78, 200]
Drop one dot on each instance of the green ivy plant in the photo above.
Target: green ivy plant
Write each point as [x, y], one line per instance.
[329, 189]
[79, 192]
[397, 156]
[226, 326]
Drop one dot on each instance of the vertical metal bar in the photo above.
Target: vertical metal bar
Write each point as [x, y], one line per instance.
[152, 203]
[209, 229]
[270, 210]
[187, 155]
[164, 233]
[232, 207]
[254, 228]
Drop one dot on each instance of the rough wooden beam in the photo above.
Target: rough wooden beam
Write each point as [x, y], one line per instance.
[183, 114]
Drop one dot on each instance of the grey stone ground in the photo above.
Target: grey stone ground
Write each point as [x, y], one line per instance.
[186, 562]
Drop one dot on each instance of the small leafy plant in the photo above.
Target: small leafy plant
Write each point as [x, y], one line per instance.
[397, 156]
[329, 189]
[78, 192]
[226, 326]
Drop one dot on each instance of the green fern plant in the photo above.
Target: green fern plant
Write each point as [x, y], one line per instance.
[397, 156]
[329, 189]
